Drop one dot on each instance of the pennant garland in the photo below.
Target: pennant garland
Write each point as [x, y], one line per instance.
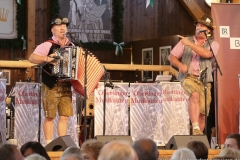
[149, 2]
[24, 42]
[118, 50]
[19, 2]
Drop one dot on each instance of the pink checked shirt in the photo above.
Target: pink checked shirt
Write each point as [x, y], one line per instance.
[194, 68]
[43, 48]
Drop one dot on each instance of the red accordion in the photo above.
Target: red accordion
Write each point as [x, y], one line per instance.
[95, 71]
[72, 66]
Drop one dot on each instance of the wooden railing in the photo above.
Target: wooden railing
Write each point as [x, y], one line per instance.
[123, 67]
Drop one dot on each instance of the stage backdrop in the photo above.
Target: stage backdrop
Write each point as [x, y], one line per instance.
[90, 21]
[227, 33]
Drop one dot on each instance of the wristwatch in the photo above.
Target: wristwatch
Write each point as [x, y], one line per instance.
[212, 1]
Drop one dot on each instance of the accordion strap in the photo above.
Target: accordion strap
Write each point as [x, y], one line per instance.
[52, 41]
[47, 72]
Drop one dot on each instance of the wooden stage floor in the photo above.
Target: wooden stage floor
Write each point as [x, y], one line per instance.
[163, 154]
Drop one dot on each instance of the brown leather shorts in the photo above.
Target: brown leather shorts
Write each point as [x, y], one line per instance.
[59, 97]
[192, 84]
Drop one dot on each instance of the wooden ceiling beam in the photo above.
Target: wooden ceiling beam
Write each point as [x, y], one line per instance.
[193, 8]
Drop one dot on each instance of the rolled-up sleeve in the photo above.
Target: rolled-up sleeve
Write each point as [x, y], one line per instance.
[43, 49]
[177, 51]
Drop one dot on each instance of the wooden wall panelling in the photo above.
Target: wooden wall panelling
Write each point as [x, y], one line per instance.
[166, 18]
[31, 5]
[139, 22]
[38, 27]
[127, 26]
[149, 22]
[137, 47]
[43, 20]
[110, 57]
[173, 19]
[5, 54]
[11, 54]
[205, 8]
[31, 33]
[193, 9]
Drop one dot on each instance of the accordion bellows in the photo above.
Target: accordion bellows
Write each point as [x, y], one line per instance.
[95, 71]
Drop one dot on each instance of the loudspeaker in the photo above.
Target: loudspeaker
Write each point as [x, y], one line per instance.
[90, 105]
[60, 144]
[178, 141]
[108, 138]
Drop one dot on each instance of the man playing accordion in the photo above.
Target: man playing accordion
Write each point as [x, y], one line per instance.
[56, 94]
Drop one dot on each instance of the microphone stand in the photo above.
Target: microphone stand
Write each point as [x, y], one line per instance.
[72, 38]
[203, 78]
[104, 101]
[39, 66]
[215, 89]
[85, 94]
[110, 84]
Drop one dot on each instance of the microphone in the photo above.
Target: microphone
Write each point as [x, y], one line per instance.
[105, 70]
[69, 33]
[200, 31]
[203, 71]
[29, 79]
[57, 57]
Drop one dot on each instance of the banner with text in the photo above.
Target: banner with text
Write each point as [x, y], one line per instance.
[116, 113]
[146, 113]
[227, 34]
[3, 110]
[175, 110]
[158, 111]
[27, 115]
